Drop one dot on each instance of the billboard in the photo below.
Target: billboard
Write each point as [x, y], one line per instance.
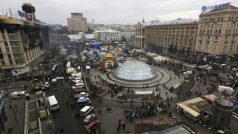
[209, 8]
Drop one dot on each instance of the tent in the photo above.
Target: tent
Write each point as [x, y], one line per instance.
[96, 45]
[227, 90]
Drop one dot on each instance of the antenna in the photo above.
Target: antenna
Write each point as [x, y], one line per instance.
[10, 11]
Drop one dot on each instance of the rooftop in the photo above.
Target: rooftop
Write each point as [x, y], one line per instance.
[14, 21]
[173, 22]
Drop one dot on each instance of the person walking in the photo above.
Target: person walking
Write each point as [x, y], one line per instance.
[118, 129]
[123, 125]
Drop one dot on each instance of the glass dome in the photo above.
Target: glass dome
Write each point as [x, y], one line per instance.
[135, 71]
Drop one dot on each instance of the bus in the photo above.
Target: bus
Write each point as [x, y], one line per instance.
[54, 105]
[86, 110]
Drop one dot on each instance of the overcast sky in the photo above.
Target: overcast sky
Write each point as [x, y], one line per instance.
[113, 11]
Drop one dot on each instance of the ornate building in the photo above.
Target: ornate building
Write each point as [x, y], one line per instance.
[218, 32]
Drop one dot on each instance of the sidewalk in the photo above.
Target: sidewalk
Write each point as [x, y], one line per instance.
[15, 116]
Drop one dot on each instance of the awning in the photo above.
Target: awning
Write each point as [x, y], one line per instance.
[185, 106]
[189, 110]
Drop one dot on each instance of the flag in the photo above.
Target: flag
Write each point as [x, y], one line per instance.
[21, 14]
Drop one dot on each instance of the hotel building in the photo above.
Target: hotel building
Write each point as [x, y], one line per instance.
[77, 23]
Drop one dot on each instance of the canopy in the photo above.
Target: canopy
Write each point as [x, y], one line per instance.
[96, 45]
[228, 90]
[143, 92]
[185, 106]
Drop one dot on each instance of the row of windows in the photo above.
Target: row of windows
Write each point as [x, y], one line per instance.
[207, 48]
[211, 26]
[219, 19]
[210, 31]
[173, 33]
[178, 35]
[232, 43]
[175, 28]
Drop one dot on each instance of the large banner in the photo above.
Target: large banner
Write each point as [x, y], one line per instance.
[25, 15]
[22, 14]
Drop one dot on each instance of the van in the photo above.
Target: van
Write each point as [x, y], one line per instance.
[54, 105]
[86, 110]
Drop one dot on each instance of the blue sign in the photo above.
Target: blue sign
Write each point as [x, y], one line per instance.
[207, 8]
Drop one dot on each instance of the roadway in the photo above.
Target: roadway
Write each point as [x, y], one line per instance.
[64, 119]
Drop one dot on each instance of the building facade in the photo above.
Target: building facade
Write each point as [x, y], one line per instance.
[140, 36]
[77, 23]
[216, 33]
[108, 36]
[173, 38]
[22, 43]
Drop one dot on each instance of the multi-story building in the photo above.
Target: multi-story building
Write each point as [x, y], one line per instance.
[77, 23]
[108, 35]
[174, 37]
[22, 43]
[216, 33]
[177, 36]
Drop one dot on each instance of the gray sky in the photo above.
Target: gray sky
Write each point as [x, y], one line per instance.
[113, 11]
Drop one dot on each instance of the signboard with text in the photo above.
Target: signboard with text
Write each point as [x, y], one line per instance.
[209, 8]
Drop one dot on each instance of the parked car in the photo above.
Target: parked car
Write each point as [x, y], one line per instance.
[54, 81]
[19, 94]
[81, 94]
[77, 81]
[78, 85]
[82, 101]
[60, 78]
[92, 125]
[89, 118]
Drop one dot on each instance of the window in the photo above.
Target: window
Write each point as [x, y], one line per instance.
[219, 32]
[10, 31]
